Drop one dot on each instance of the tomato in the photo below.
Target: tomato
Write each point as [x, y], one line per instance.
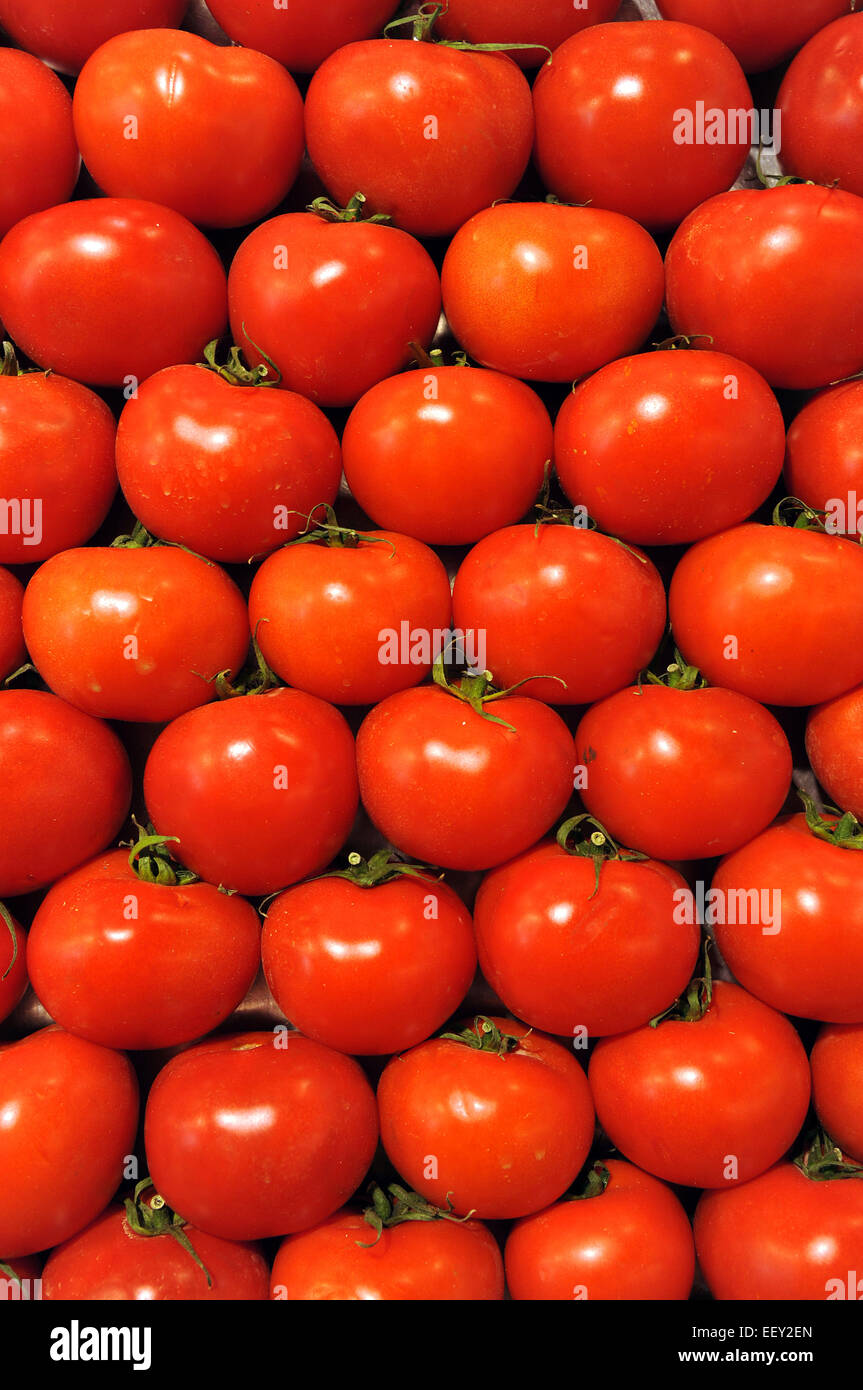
[368, 964]
[166, 116]
[834, 748]
[809, 961]
[65, 35]
[683, 774]
[565, 953]
[12, 653]
[383, 603]
[13, 963]
[134, 632]
[37, 142]
[629, 1240]
[708, 1102]
[821, 103]
[551, 292]
[368, 126]
[769, 275]
[837, 1084]
[260, 790]
[449, 785]
[70, 1111]
[498, 1125]
[824, 456]
[66, 789]
[773, 612]
[560, 601]
[302, 34]
[545, 22]
[761, 33]
[447, 454]
[259, 1134]
[139, 287]
[670, 446]
[225, 469]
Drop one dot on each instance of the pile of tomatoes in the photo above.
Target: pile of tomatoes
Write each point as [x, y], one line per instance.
[431, 787]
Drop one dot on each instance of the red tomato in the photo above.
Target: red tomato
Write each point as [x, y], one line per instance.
[134, 632]
[708, 1102]
[65, 35]
[12, 653]
[303, 33]
[565, 954]
[369, 967]
[139, 286]
[773, 612]
[821, 102]
[447, 454]
[551, 292]
[670, 446]
[824, 456]
[683, 774]
[499, 1125]
[544, 22]
[809, 961]
[834, 747]
[225, 469]
[66, 789]
[13, 963]
[629, 1240]
[560, 601]
[166, 116]
[762, 33]
[790, 266]
[336, 305]
[70, 1111]
[261, 790]
[837, 1084]
[259, 1134]
[37, 143]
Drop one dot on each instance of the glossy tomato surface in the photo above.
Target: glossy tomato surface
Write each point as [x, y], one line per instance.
[12, 653]
[824, 456]
[837, 1084]
[37, 145]
[821, 102]
[760, 33]
[65, 35]
[834, 747]
[301, 35]
[541, 22]
[13, 964]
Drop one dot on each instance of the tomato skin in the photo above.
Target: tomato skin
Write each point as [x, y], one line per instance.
[659, 453]
[357, 294]
[759, 33]
[822, 109]
[141, 289]
[517, 301]
[813, 966]
[835, 749]
[70, 1113]
[824, 456]
[683, 774]
[260, 790]
[790, 268]
[303, 34]
[65, 35]
[523, 588]
[13, 972]
[793, 599]
[83, 608]
[37, 145]
[12, 652]
[100, 943]
[218, 467]
[837, 1084]
[680, 1099]
[67, 786]
[447, 455]
[632, 1241]
[189, 151]
[361, 969]
[781, 1236]
[546, 22]
[434, 1260]
[257, 1135]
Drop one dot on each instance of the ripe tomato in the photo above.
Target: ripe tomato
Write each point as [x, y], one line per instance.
[560, 601]
[141, 289]
[302, 34]
[13, 962]
[769, 275]
[134, 632]
[66, 789]
[824, 456]
[369, 964]
[670, 446]
[706, 1102]
[259, 1134]
[382, 601]
[809, 962]
[335, 305]
[773, 612]
[498, 1120]
[261, 790]
[683, 773]
[70, 1111]
[565, 952]
[834, 747]
[447, 454]
[628, 1239]
[12, 653]
[761, 33]
[227, 469]
[65, 35]
[37, 143]
[551, 292]
[449, 785]
[837, 1084]
[822, 107]
[544, 22]
[165, 116]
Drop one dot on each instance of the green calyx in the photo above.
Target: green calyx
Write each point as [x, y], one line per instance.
[695, 1000]
[256, 677]
[235, 372]
[476, 689]
[593, 1184]
[401, 1206]
[824, 1161]
[585, 838]
[680, 342]
[422, 26]
[151, 860]
[484, 1036]
[382, 867]
[6, 1270]
[679, 675]
[798, 515]
[331, 533]
[436, 357]
[353, 212]
[153, 1217]
[10, 926]
[839, 828]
